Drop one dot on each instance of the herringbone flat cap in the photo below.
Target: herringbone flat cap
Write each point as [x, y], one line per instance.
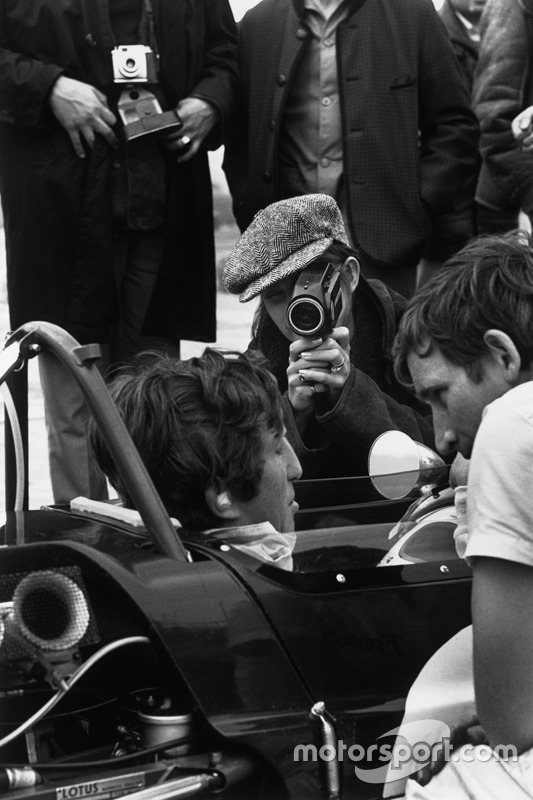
[281, 240]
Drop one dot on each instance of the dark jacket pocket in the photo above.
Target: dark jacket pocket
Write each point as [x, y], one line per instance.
[403, 82]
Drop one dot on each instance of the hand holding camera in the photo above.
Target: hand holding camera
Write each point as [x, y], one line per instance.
[320, 362]
[138, 107]
[83, 112]
[318, 367]
[198, 118]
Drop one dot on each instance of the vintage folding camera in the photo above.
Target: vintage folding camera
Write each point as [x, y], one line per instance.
[138, 107]
[316, 301]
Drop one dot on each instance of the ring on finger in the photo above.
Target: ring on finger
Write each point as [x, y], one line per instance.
[185, 140]
[337, 367]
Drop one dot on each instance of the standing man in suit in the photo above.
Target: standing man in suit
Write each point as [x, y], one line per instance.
[109, 234]
[362, 100]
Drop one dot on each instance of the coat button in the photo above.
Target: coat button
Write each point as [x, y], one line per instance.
[272, 125]
[90, 40]
[267, 177]
[301, 33]
[281, 80]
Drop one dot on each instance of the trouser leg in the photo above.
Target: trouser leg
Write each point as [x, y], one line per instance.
[73, 470]
[495, 221]
[137, 257]
[450, 233]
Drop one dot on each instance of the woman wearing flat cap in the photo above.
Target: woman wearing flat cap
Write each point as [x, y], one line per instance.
[340, 391]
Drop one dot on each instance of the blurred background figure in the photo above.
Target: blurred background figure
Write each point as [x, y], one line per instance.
[502, 89]
[364, 102]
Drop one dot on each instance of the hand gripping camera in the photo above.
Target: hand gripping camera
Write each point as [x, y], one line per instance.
[316, 301]
[139, 108]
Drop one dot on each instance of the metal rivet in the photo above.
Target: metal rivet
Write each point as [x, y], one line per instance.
[444, 569]
[341, 578]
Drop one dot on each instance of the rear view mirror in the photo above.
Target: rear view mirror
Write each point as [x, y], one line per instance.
[399, 467]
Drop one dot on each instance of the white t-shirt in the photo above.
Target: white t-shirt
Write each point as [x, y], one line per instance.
[500, 480]
[500, 525]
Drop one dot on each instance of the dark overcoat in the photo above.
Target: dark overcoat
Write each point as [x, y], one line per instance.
[409, 134]
[503, 87]
[57, 207]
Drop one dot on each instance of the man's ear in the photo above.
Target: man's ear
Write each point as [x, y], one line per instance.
[220, 503]
[353, 270]
[503, 350]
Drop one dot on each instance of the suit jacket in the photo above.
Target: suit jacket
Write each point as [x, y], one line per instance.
[409, 135]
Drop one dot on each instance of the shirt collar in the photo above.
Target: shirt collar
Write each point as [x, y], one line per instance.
[471, 29]
[260, 540]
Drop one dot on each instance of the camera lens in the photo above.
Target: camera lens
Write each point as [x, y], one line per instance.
[305, 316]
[130, 68]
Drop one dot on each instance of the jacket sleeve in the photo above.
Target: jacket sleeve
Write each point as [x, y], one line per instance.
[25, 83]
[500, 93]
[361, 414]
[235, 163]
[449, 131]
[218, 82]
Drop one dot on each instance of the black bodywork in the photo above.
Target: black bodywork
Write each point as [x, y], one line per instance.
[200, 670]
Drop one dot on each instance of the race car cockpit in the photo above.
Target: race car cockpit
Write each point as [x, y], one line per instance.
[141, 660]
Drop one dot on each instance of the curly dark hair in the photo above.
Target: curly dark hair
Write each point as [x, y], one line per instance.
[195, 423]
[488, 284]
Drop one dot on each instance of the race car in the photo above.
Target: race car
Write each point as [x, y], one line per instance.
[139, 660]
